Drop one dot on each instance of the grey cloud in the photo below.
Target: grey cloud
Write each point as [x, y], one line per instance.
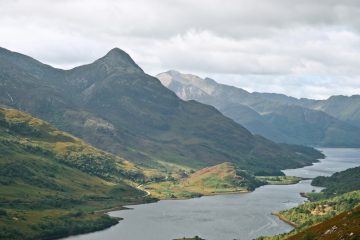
[281, 42]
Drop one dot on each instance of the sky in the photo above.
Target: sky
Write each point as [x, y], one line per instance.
[300, 48]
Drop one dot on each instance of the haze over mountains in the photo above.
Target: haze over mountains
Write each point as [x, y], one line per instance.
[334, 122]
[112, 104]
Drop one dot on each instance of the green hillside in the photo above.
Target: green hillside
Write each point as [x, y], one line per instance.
[115, 106]
[338, 203]
[343, 226]
[312, 214]
[51, 182]
[340, 182]
[221, 178]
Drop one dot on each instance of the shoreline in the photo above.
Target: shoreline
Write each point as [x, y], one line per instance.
[205, 195]
[107, 211]
[279, 216]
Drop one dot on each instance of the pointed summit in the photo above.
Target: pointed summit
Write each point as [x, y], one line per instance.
[118, 58]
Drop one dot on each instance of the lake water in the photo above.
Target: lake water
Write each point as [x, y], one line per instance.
[223, 217]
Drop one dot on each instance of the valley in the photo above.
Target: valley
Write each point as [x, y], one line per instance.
[78, 143]
[179, 120]
[233, 216]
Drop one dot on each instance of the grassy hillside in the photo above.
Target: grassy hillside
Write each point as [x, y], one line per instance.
[341, 194]
[338, 183]
[343, 226]
[312, 213]
[51, 182]
[279, 180]
[222, 178]
[113, 105]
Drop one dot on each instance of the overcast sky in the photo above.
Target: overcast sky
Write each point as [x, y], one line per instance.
[308, 48]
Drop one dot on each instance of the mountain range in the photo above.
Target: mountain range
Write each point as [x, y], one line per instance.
[115, 106]
[334, 122]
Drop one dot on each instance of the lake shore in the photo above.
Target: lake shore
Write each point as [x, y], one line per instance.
[179, 217]
[282, 218]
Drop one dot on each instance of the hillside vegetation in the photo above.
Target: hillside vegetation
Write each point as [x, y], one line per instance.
[332, 214]
[222, 178]
[51, 182]
[113, 105]
[343, 226]
[312, 214]
[340, 182]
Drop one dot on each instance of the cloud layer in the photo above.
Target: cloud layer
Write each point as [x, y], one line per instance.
[301, 48]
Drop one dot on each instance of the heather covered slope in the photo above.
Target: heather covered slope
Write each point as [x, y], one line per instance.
[343, 226]
[112, 104]
[51, 182]
[330, 123]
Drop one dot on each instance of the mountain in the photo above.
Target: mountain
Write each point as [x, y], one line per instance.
[51, 182]
[332, 123]
[340, 182]
[342, 107]
[115, 106]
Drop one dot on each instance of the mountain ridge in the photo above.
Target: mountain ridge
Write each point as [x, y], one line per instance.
[272, 115]
[117, 107]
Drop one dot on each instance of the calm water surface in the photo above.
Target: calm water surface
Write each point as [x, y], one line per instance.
[224, 217]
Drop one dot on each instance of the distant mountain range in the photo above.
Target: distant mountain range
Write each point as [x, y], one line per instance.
[334, 122]
[115, 106]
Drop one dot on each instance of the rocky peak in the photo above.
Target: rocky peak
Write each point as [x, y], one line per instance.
[119, 59]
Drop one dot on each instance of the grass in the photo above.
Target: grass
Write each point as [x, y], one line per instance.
[343, 226]
[279, 180]
[332, 214]
[218, 179]
[338, 183]
[312, 214]
[52, 184]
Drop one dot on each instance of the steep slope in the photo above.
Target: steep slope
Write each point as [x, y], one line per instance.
[343, 226]
[275, 116]
[311, 127]
[342, 107]
[50, 181]
[112, 104]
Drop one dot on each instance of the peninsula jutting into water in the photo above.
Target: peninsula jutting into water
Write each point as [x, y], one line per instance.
[237, 216]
